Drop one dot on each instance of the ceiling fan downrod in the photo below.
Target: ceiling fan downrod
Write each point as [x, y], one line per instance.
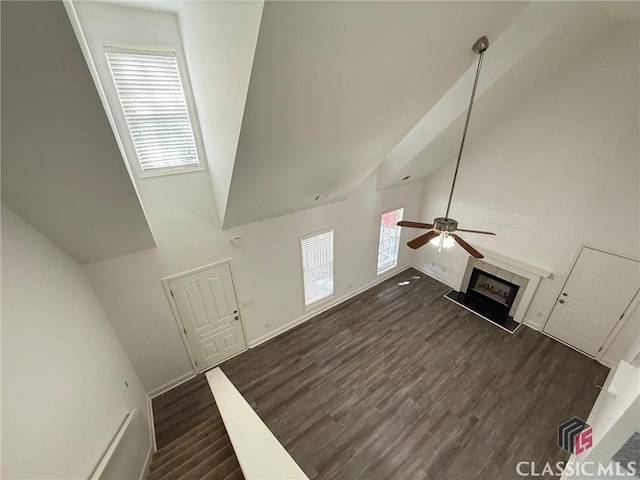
[443, 231]
[479, 47]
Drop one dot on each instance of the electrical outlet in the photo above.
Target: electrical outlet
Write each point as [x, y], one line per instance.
[539, 314]
[350, 285]
[266, 325]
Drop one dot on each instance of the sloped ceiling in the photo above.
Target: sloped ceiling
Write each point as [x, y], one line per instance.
[336, 85]
[544, 38]
[61, 167]
[339, 90]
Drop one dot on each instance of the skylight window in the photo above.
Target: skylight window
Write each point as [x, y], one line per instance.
[153, 101]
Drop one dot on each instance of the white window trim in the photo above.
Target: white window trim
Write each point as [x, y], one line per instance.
[121, 122]
[324, 301]
[388, 269]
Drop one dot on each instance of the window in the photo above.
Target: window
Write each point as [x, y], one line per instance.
[389, 240]
[317, 266]
[153, 102]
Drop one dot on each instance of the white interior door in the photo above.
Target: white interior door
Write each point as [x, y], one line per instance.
[207, 305]
[599, 289]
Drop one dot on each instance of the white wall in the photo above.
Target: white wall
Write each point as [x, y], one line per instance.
[569, 130]
[182, 214]
[568, 156]
[217, 41]
[615, 417]
[266, 267]
[63, 367]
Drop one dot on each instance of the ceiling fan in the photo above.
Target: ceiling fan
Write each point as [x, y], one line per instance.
[441, 231]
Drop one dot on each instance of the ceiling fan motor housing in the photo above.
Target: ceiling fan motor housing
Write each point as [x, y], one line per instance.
[445, 224]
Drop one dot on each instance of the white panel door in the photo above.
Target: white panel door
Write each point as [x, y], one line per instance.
[597, 292]
[208, 308]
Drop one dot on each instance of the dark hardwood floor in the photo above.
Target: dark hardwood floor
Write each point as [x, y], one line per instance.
[401, 383]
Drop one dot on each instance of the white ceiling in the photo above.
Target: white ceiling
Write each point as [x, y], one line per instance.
[336, 85]
[535, 47]
[61, 168]
[337, 90]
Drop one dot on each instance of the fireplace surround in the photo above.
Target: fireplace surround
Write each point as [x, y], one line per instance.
[514, 283]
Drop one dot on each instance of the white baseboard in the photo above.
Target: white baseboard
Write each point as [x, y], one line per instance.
[307, 316]
[152, 427]
[254, 343]
[607, 362]
[532, 324]
[150, 396]
[147, 462]
[527, 321]
[171, 384]
[436, 276]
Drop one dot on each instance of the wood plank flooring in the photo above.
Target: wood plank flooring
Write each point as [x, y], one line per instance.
[400, 383]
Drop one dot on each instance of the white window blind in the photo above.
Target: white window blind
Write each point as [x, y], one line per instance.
[154, 106]
[389, 240]
[317, 266]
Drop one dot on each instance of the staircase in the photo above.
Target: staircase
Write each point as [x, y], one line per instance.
[194, 443]
[203, 453]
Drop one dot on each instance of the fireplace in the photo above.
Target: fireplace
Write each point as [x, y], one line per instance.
[499, 289]
[491, 292]
[497, 292]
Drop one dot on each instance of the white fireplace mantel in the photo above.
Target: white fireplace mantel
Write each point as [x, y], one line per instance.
[511, 263]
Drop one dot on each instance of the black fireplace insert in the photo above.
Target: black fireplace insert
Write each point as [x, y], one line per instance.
[499, 293]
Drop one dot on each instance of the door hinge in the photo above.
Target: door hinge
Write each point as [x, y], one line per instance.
[195, 363]
[621, 316]
[184, 330]
[172, 293]
[600, 349]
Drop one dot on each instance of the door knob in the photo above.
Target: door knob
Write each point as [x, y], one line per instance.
[564, 294]
[561, 301]
[237, 317]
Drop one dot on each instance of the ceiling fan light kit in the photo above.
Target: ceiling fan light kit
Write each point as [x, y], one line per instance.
[443, 241]
[442, 230]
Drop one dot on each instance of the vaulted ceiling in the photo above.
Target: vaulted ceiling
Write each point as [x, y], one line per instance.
[544, 38]
[341, 89]
[312, 97]
[336, 85]
[61, 167]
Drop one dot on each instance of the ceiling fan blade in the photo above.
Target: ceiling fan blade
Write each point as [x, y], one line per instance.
[404, 223]
[472, 251]
[475, 231]
[423, 239]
